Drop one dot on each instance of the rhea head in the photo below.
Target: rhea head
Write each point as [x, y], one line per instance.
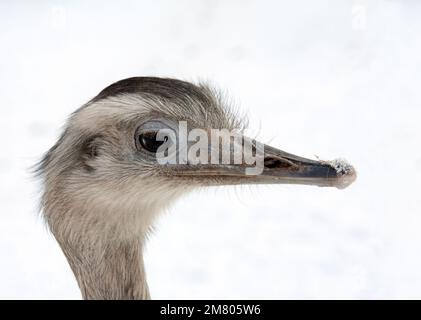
[104, 184]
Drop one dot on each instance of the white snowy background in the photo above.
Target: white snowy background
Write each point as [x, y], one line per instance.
[325, 78]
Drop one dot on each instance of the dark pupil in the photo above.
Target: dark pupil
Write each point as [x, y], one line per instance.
[148, 141]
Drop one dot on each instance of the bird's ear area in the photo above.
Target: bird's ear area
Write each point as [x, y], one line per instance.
[90, 150]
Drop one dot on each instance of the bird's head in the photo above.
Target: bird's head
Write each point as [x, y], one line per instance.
[107, 171]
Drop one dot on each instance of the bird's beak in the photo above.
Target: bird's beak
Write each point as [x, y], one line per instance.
[277, 167]
[286, 168]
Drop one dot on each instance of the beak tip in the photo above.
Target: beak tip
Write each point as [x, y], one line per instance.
[345, 173]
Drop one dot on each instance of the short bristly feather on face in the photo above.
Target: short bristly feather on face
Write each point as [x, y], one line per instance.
[102, 191]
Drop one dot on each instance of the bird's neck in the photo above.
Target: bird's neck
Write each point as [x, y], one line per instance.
[109, 269]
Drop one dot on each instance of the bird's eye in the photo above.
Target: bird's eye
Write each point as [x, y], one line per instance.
[148, 141]
[152, 136]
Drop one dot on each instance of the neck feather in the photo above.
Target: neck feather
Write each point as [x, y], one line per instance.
[109, 270]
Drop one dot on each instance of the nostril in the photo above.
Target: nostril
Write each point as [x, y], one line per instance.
[272, 163]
